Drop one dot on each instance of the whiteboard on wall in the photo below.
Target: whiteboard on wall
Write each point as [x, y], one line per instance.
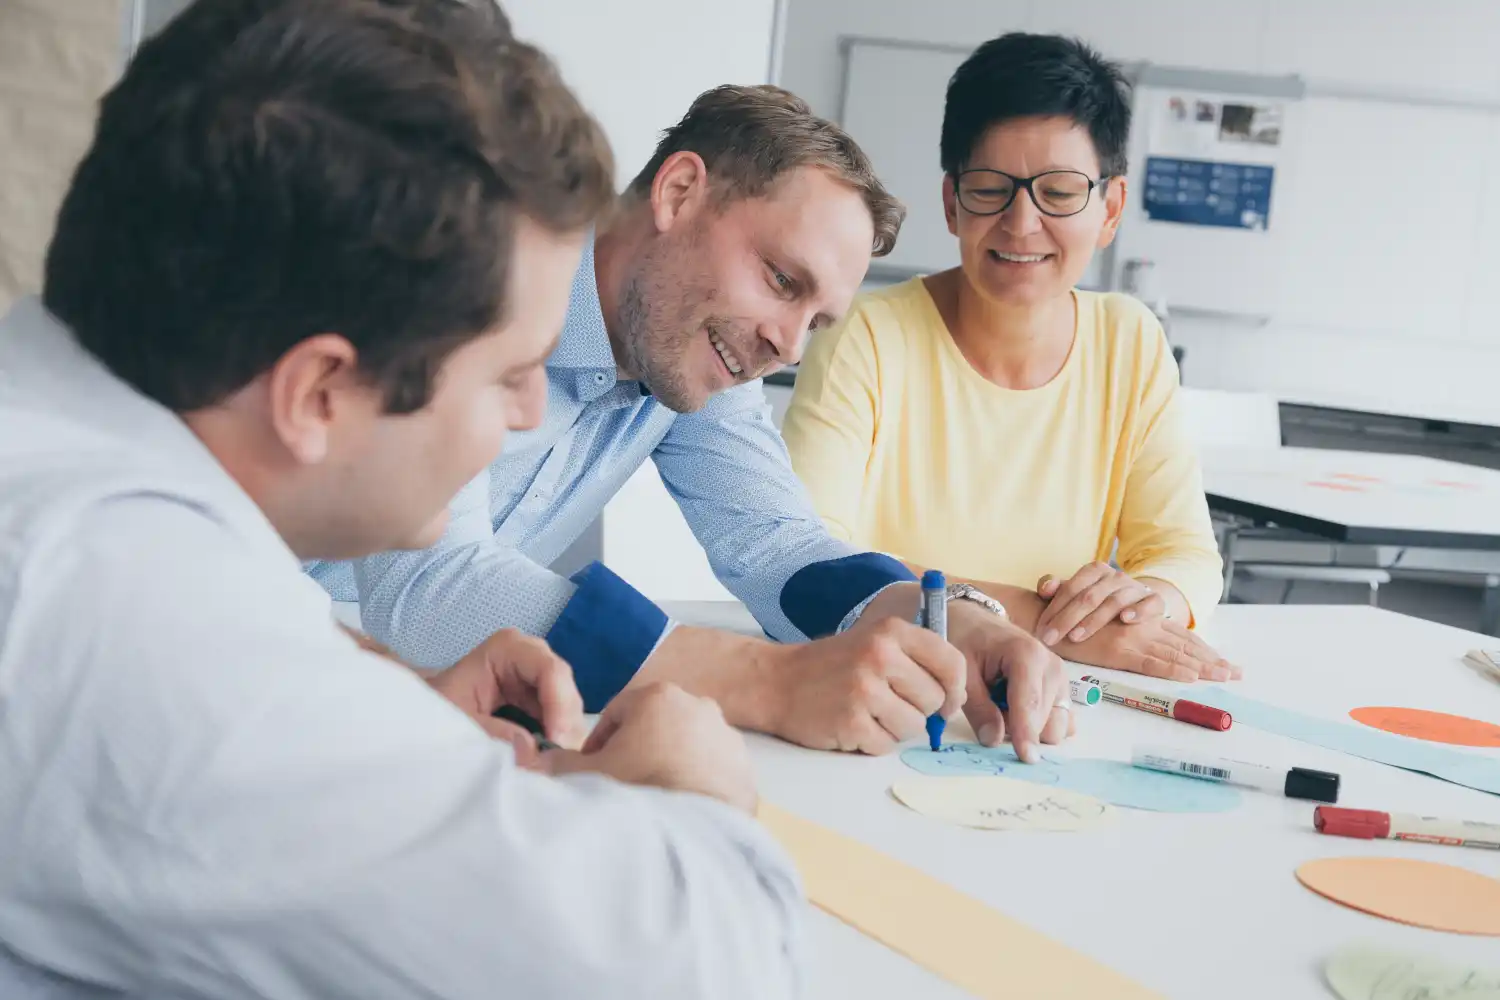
[893, 107]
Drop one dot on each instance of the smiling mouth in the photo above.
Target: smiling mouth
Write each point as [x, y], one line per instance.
[726, 355]
[1018, 258]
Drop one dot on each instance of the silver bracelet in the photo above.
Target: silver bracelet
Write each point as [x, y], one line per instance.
[965, 592]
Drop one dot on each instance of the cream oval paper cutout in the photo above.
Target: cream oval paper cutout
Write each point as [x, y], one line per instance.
[1368, 972]
[1408, 891]
[1002, 804]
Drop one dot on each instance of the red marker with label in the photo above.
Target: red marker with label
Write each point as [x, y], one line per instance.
[1160, 704]
[1371, 824]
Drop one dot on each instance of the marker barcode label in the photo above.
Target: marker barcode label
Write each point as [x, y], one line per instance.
[1203, 771]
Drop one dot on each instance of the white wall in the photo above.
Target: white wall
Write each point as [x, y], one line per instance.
[637, 66]
[1449, 47]
[1441, 48]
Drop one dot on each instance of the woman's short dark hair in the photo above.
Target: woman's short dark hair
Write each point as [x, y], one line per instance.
[268, 170]
[1029, 76]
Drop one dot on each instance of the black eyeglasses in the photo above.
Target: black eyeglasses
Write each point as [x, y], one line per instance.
[1058, 193]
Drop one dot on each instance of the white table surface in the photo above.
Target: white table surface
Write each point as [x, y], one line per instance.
[1191, 906]
[1361, 490]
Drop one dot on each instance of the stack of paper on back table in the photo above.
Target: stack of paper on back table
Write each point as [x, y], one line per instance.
[1486, 661]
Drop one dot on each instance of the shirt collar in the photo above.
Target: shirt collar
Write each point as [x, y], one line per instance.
[583, 358]
[45, 368]
[585, 341]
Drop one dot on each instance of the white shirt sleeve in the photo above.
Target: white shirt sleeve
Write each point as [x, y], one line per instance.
[209, 791]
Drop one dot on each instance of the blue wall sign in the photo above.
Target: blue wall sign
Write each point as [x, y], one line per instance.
[1208, 193]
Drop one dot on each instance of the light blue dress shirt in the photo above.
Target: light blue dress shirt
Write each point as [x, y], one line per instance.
[726, 467]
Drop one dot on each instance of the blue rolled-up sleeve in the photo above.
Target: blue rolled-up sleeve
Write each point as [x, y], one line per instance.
[824, 597]
[606, 631]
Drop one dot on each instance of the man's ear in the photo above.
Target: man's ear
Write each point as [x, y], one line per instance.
[678, 188]
[312, 386]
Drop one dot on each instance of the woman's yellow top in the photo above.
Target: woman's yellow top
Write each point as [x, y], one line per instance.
[907, 449]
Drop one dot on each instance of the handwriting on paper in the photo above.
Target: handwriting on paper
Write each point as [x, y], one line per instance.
[1370, 973]
[972, 758]
[993, 803]
[1406, 980]
[1046, 810]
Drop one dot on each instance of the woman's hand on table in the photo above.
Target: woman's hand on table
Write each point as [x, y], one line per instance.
[1098, 594]
[1156, 648]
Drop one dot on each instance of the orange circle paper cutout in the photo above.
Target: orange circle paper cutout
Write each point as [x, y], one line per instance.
[1421, 893]
[1437, 727]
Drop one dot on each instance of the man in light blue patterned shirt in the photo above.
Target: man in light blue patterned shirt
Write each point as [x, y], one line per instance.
[752, 225]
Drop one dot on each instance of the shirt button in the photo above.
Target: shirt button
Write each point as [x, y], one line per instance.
[599, 378]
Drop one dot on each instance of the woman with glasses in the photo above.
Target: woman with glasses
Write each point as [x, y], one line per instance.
[994, 421]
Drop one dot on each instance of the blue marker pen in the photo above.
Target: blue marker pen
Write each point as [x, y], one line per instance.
[935, 619]
[997, 693]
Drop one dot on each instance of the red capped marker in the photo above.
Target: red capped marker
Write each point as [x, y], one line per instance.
[1180, 709]
[1371, 824]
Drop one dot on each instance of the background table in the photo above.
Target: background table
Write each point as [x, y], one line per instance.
[1191, 905]
[1363, 498]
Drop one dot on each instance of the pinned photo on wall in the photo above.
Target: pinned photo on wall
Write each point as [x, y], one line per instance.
[1257, 123]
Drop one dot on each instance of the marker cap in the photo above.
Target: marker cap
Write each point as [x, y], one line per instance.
[1202, 715]
[1084, 692]
[933, 579]
[1318, 786]
[1367, 824]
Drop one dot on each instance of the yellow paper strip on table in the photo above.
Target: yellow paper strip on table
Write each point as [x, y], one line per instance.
[955, 936]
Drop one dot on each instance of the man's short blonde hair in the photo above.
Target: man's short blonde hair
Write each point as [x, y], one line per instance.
[750, 136]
